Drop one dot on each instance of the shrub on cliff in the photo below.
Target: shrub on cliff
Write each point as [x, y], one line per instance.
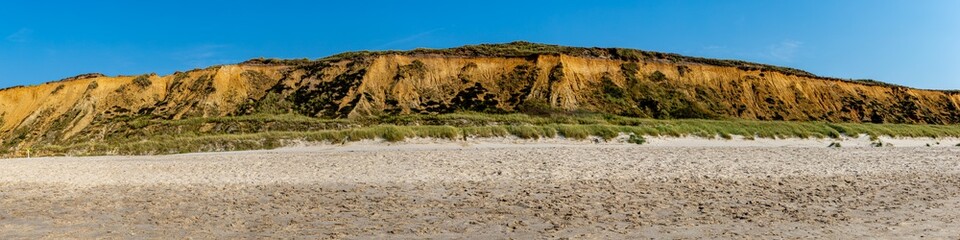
[142, 81]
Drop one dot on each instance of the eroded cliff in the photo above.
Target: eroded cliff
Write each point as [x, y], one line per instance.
[485, 78]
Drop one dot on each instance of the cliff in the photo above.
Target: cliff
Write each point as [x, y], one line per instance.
[497, 78]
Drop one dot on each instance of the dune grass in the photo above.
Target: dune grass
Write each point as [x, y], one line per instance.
[273, 131]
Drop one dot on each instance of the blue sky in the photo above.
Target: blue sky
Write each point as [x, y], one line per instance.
[913, 43]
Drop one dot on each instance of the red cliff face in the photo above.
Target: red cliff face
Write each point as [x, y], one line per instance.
[486, 78]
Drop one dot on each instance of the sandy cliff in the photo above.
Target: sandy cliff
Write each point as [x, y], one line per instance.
[492, 78]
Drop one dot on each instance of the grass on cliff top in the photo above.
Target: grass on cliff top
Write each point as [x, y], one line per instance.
[528, 49]
[273, 131]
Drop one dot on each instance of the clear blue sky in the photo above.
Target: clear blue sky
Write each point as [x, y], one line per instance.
[913, 43]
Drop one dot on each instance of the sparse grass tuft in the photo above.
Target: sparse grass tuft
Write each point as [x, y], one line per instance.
[485, 131]
[726, 136]
[149, 135]
[606, 132]
[834, 145]
[58, 89]
[142, 81]
[573, 132]
[393, 133]
[525, 132]
[93, 85]
[439, 132]
[636, 139]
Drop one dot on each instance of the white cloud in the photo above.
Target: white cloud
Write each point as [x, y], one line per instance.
[785, 50]
[408, 38]
[713, 50]
[202, 55]
[21, 36]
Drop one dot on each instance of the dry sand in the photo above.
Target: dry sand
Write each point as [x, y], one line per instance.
[493, 189]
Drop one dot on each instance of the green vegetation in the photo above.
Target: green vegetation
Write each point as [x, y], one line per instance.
[611, 89]
[636, 139]
[58, 89]
[872, 82]
[178, 78]
[81, 76]
[834, 145]
[203, 85]
[415, 69]
[658, 97]
[682, 70]
[143, 135]
[528, 49]
[93, 85]
[537, 107]
[142, 81]
[657, 76]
